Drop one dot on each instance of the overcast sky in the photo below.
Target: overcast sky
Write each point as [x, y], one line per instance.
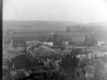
[67, 10]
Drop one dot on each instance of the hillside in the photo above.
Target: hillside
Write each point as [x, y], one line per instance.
[37, 25]
[98, 30]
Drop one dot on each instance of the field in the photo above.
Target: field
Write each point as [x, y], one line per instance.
[77, 30]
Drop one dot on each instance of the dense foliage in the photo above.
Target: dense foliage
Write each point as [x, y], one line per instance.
[70, 67]
[86, 69]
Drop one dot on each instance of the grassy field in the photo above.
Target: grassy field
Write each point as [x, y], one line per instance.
[78, 30]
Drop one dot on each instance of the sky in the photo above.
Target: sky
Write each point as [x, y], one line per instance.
[59, 10]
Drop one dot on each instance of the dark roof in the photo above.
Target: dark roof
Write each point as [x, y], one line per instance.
[20, 62]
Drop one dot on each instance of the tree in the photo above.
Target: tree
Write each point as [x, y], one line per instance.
[90, 41]
[68, 30]
[69, 65]
[99, 69]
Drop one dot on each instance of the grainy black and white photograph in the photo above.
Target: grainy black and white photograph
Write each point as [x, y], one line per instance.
[54, 40]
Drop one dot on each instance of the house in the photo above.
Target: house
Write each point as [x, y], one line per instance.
[99, 43]
[48, 43]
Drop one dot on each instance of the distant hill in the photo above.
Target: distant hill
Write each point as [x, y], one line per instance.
[99, 30]
[36, 25]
